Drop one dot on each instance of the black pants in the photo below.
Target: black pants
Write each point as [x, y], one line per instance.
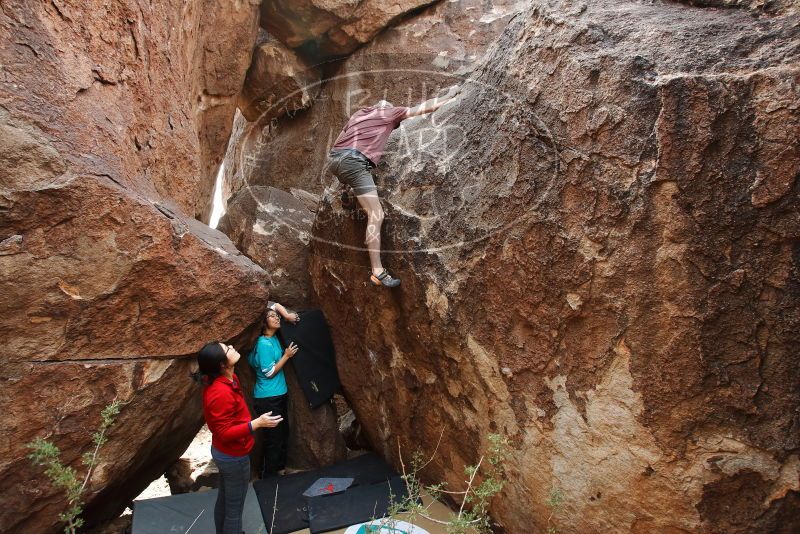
[275, 440]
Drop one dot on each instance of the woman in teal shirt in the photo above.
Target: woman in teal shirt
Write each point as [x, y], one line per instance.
[267, 359]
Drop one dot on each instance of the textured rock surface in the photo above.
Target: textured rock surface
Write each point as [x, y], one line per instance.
[277, 82]
[144, 89]
[273, 229]
[110, 304]
[405, 64]
[331, 27]
[599, 260]
[218, 40]
[107, 288]
[314, 437]
[758, 6]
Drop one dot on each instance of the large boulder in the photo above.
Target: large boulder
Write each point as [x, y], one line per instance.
[333, 27]
[106, 296]
[108, 284]
[147, 89]
[273, 229]
[599, 262]
[277, 82]
[406, 64]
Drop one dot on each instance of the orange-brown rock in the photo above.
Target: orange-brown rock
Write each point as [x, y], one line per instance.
[148, 86]
[218, 40]
[599, 261]
[272, 228]
[277, 82]
[332, 27]
[108, 284]
[105, 297]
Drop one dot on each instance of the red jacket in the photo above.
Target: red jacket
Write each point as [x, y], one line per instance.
[227, 416]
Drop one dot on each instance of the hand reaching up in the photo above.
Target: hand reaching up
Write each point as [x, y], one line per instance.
[452, 91]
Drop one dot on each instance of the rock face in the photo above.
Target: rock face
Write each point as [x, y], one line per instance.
[108, 305]
[332, 27]
[766, 6]
[108, 285]
[598, 248]
[136, 84]
[277, 82]
[405, 64]
[314, 437]
[218, 40]
[273, 229]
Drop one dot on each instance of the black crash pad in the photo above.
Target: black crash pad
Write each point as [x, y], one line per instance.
[315, 362]
[291, 508]
[355, 505]
[179, 513]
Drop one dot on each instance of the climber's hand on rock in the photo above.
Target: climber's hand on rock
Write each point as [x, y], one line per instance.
[291, 350]
[448, 92]
[293, 318]
[267, 420]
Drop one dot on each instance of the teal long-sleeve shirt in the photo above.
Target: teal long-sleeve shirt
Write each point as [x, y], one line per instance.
[263, 358]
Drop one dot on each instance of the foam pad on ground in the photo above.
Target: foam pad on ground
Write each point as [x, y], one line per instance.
[291, 507]
[355, 505]
[180, 513]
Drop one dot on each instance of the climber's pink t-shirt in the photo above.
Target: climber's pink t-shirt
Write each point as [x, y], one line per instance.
[368, 130]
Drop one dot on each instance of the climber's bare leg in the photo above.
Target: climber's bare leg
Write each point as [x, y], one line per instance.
[372, 205]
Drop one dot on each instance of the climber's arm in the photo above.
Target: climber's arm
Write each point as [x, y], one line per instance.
[429, 106]
[292, 317]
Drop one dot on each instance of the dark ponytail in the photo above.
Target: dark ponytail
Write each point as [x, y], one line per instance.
[210, 359]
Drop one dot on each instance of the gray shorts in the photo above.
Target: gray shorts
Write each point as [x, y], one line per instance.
[353, 168]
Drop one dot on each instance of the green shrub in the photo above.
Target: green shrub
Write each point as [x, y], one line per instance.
[45, 453]
[483, 481]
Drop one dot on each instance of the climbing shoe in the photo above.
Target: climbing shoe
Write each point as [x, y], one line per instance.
[348, 199]
[384, 279]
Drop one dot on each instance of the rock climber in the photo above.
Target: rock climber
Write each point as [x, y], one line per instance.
[358, 150]
[269, 395]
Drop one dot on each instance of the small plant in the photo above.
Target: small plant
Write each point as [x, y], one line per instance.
[554, 502]
[481, 486]
[44, 453]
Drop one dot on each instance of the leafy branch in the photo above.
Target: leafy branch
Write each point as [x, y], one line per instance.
[554, 502]
[481, 486]
[44, 453]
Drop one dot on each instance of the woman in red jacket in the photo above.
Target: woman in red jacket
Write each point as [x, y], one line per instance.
[232, 429]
